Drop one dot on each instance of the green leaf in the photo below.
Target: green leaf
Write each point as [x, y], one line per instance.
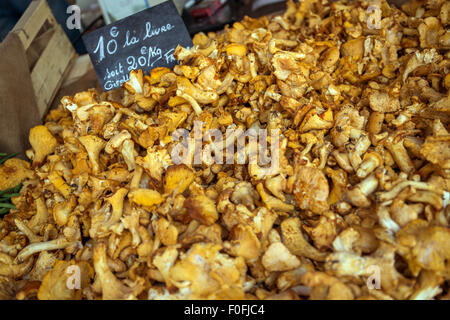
[7, 191]
[8, 157]
[8, 196]
[7, 205]
[17, 188]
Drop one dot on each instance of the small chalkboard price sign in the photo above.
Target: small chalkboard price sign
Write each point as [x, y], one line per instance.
[145, 40]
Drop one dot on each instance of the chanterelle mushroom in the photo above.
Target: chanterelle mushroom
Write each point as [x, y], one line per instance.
[350, 201]
[311, 189]
[112, 288]
[43, 143]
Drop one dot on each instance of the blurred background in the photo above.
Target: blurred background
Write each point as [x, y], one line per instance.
[198, 15]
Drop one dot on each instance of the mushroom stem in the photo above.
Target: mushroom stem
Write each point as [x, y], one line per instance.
[116, 141]
[391, 194]
[368, 185]
[116, 202]
[127, 151]
[191, 100]
[362, 145]
[27, 231]
[372, 160]
[358, 195]
[386, 220]
[375, 122]
[41, 216]
[60, 243]
[136, 180]
[427, 197]
[414, 144]
[15, 270]
[93, 145]
[400, 155]
[226, 83]
[112, 288]
[343, 161]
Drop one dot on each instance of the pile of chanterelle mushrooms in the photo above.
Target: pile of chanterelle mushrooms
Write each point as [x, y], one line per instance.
[357, 209]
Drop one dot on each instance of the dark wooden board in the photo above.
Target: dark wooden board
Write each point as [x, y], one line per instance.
[145, 40]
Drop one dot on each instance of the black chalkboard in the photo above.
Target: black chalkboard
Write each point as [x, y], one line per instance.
[145, 40]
